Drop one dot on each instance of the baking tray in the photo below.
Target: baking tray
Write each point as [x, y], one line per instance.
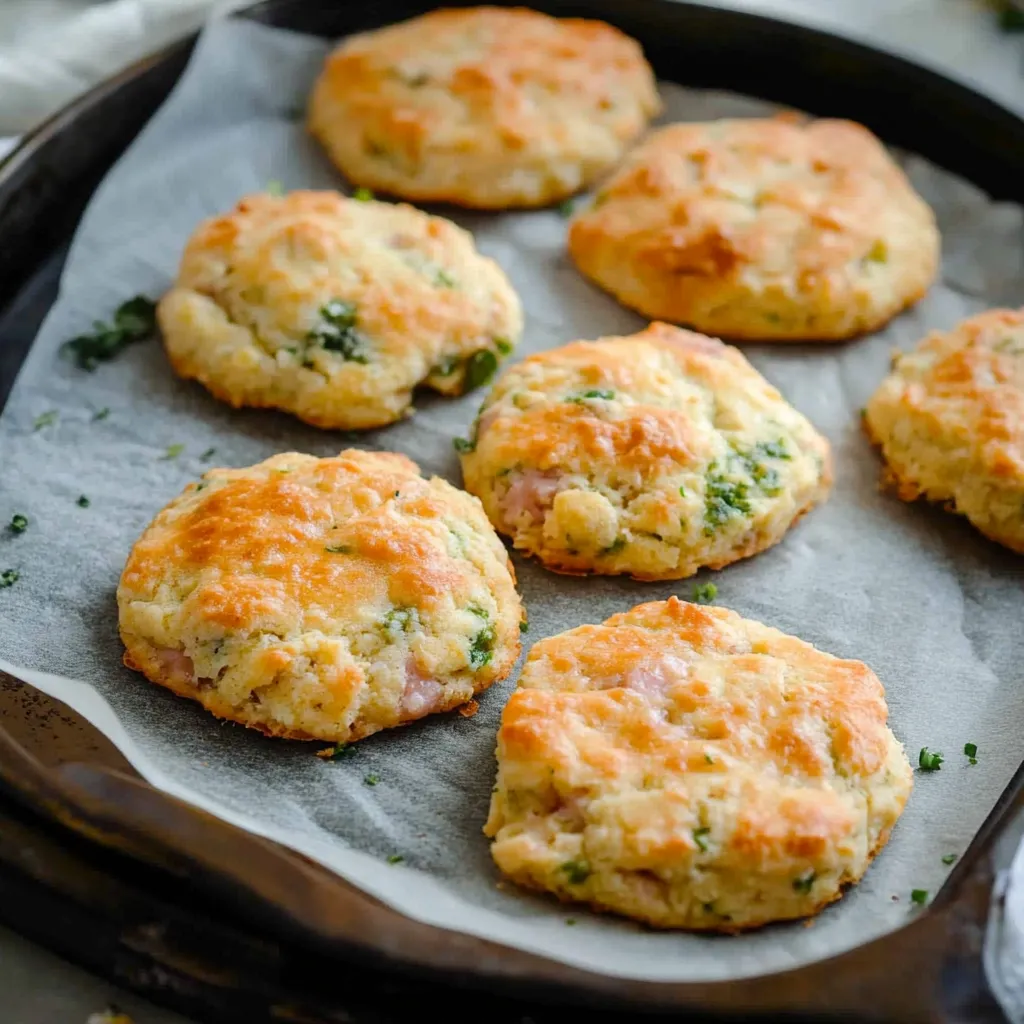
[229, 927]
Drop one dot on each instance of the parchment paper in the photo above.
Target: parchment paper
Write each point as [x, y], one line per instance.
[930, 605]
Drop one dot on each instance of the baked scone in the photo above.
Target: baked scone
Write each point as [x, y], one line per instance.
[653, 454]
[950, 422]
[321, 598]
[483, 106]
[693, 769]
[771, 230]
[334, 309]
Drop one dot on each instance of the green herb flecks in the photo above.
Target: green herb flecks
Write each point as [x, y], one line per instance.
[338, 752]
[566, 208]
[949, 858]
[700, 837]
[919, 897]
[524, 625]
[362, 194]
[929, 760]
[971, 750]
[615, 547]
[45, 419]
[723, 499]
[463, 445]
[503, 345]
[172, 452]
[730, 482]
[480, 368]
[101, 414]
[338, 549]
[570, 921]
[134, 320]
[399, 620]
[371, 780]
[442, 279]
[705, 593]
[395, 858]
[9, 577]
[576, 871]
[878, 253]
[274, 188]
[804, 883]
[337, 332]
[83, 501]
[18, 524]
[208, 454]
[605, 394]
[481, 648]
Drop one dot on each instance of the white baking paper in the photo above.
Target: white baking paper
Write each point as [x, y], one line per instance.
[914, 592]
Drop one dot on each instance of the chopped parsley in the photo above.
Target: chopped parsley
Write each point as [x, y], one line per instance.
[45, 419]
[481, 648]
[603, 393]
[398, 620]
[929, 760]
[83, 501]
[682, 492]
[338, 549]
[700, 837]
[173, 451]
[9, 577]
[208, 454]
[337, 752]
[275, 188]
[395, 858]
[101, 414]
[447, 366]
[726, 497]
[708, 759]
[442, 279]
[570, 921]
[576, 871]
[19, 523]
[524, 625]
[134, 320]
[362, 194]
[804, 883]
[878, 253]
[480, 368]
[566, 207]
[503, 345]
[463, 445]
[337, 332]
[970, 749]
[1011, 18]
[723, 499]
[949, 858]
[705, 593]
[615, 547]
[371, 780]
[919, 896]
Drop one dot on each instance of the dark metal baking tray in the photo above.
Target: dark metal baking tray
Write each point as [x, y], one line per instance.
[226, 927]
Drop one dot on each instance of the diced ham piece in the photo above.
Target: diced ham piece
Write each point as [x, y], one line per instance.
[655, 678]
[177, 665]
[530, 493]
[421, 695]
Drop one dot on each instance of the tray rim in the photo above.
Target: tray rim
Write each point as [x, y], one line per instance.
[33, 143]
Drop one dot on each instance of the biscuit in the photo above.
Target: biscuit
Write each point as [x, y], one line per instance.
[949, 420]
[771, 230]
[334, 309]
[693, 769]
[483, 107]
[653, 454]
[321, 598]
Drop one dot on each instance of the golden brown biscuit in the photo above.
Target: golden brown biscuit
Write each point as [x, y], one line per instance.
[772, 230]
[483, 106]
[693, 769]
[950, 422]
[653, 454]
[321, 598]
[335, 309]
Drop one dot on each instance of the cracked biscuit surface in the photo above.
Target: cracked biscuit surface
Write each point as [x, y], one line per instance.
[949, 420]
[653, 454]
[764, 229]
[690, 768]
[483, 107]
[321, 598]
[335, 309]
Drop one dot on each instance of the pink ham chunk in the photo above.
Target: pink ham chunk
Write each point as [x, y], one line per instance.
[421, 695]
[177, 666]
[530, 494]
[654, 679]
